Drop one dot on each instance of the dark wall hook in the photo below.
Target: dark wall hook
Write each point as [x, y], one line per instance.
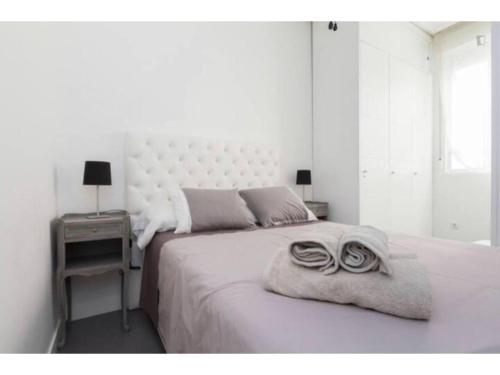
[332, 26]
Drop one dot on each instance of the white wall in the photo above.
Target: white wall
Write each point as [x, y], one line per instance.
[336, 116]
[27, 108]
[460, 198]
[244, 81]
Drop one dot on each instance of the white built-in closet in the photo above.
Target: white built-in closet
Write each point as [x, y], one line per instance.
[395, 127]
[372, 93]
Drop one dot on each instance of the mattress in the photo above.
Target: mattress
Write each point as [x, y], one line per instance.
[211, 300]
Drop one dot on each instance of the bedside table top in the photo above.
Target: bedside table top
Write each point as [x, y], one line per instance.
[316, 203]
[108, 217]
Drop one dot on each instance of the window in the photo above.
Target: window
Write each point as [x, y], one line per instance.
[466, 107]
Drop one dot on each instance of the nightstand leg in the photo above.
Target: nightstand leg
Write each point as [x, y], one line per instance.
[62, 311]
[68, 298]
[124, 275]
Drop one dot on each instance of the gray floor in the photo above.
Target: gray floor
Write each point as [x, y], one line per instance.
[103, 334]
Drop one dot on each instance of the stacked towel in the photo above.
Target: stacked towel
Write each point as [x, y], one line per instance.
[406, 293]
[360, 272]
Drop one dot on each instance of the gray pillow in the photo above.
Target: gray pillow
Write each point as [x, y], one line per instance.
[275, 205]
[216, 209]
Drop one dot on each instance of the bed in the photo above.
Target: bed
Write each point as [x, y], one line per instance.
[204, 291]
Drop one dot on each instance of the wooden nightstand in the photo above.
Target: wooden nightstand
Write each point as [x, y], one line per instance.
[87, 247]
[320, 209]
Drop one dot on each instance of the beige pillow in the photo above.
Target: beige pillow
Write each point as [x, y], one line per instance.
[217, 209]
[275, 205]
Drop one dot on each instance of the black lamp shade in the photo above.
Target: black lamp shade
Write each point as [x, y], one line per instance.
[303, 177]
[97, 173]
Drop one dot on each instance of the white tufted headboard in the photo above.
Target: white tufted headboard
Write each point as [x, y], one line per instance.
[152, 159]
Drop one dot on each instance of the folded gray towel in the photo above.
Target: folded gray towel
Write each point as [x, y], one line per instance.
[407, 293]
[364, 249]
[316, 251]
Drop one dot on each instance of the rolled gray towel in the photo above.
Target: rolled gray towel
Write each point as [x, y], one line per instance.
[364, 249]
[316, 251]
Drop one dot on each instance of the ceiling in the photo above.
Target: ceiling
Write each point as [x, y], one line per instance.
[433, 28]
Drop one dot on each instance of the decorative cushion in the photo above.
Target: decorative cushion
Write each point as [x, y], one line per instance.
[276, 206]
[216, 209]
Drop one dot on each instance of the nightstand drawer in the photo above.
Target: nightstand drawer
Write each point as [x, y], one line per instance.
[93, 231]
[320, 209]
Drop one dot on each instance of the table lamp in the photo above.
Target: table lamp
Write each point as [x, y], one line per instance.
[97, 173]
[303, 178]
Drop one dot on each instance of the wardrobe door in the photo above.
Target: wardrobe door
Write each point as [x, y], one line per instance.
[422, 155]
[402, 79]
[373, 136]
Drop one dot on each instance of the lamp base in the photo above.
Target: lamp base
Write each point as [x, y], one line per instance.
[98, 214]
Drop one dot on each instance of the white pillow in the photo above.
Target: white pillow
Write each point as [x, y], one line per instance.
[181, 208]
[158, 217]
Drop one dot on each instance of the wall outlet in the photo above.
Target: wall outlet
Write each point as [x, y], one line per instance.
[454, 226]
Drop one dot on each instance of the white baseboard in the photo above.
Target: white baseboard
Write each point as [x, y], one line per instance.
[52, 348]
